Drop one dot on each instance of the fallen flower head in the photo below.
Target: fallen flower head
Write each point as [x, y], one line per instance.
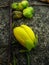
[25, 36]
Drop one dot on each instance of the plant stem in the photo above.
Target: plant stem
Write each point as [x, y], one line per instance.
[14, 60]
[28, 55]
[28, 58]
[32, 4]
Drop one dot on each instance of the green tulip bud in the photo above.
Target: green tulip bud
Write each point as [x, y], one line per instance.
[28, 12]
[17, 14]
[17, 6]
[14, 5]
[20, 7]
[25, 4]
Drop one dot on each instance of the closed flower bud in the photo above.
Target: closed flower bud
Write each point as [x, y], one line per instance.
[25, 36]
[25, 4]
[17, 14]
[28, 12]
[14, 5]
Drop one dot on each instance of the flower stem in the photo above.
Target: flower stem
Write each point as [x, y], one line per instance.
[28, 58]
[14, 60]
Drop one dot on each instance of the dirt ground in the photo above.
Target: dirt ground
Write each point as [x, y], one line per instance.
[39, 23]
